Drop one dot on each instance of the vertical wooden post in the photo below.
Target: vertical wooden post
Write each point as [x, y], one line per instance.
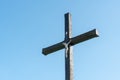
[68, 48]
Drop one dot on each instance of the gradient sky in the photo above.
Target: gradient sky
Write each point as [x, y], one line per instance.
[27, 26]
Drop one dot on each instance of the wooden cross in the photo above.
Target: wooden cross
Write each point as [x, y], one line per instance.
[68, 43]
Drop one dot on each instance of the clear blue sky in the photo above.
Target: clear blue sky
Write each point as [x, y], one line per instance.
[27, 26]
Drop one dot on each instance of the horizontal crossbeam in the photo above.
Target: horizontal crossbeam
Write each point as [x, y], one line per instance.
[83, 37]
[53, 48]
[80, 38]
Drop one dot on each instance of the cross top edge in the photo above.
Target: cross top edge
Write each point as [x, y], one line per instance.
[68, 13]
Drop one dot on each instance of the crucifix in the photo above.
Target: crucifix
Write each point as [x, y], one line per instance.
[68, 43]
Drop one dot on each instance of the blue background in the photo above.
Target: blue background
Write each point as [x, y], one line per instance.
[27, 26]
